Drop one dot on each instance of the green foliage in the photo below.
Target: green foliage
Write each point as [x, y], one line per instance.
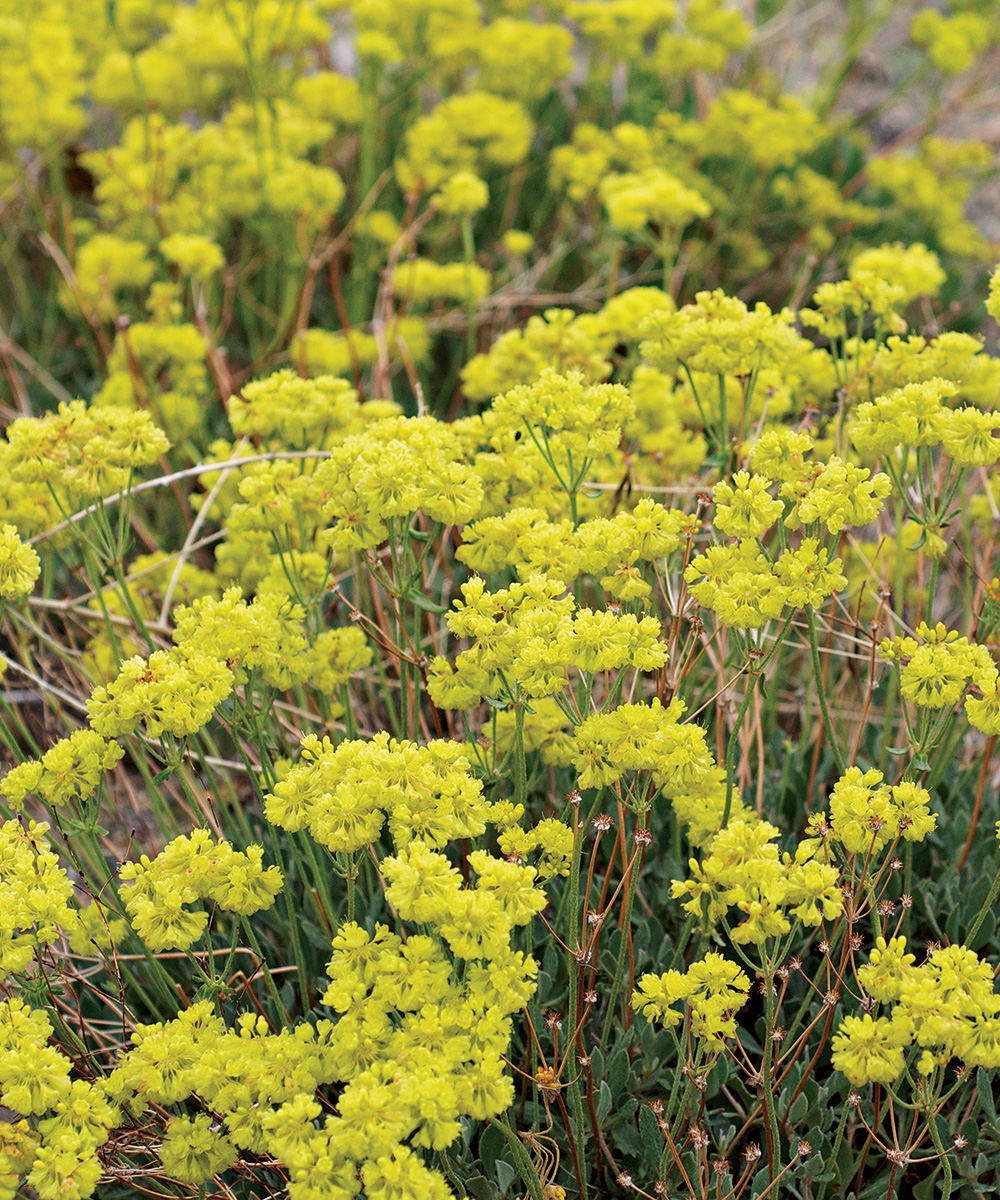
[500, 676]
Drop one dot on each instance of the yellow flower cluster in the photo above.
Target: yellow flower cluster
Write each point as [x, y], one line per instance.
[422, 281]
[525, 637]
[712, 991]
[463, 133]
[606, 548]
[745, 589]
[56, 1154]
[298, 412]
[550, 841]
[652, 196]
[944, 1009]
[866, 815]
[345, 794]
[159, 365]
[397, 468]
[743, 869]
[169, 692]
[916, 415]
[34, 895]
[79, 452]
[937, 666]
[265, 636]
[19, 565]
[73, 769]
[188, 869]
[641, 737]
[719, 335]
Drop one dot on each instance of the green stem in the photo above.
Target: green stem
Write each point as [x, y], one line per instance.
[469, 256]
[766, 1071]
[622, 948]
[520, 767]
[521, 1157]
[945, 1161]
[731, 749]
[821, 692]
[970, 937]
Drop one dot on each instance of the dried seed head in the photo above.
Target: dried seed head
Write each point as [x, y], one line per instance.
[699, 1138]
[642, 837]
[752, 1152]
[602, 822]
[803, 1149]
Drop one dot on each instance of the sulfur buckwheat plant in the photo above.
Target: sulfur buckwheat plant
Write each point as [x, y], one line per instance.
[499, 605]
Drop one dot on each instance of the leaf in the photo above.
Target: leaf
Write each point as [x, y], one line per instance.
[984, 1088]
[506, 1174]
[419, 600]
[799, 1109]
[491, 1144]
[604, 1102]
[480, 1187]
[618, 1071]
[924, 1190]
[815, 1168]
[652, 1139]
[315, 935]
[597, 1062]
[760, 1183]
[626, 1138]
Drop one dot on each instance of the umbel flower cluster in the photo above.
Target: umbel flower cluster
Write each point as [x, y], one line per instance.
[499, 663]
